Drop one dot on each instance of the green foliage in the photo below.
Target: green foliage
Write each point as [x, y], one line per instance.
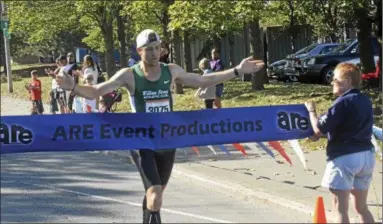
[277, 13]
[143, 15]
[208, 18]
[40, 27]
[41, 20]
[248, 11]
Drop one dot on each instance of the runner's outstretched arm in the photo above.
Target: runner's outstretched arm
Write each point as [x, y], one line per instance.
[247, 66]
[66, 82]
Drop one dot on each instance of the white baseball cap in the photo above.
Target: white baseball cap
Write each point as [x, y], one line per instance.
[146, 37]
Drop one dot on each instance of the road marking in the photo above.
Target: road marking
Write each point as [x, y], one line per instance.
[125, 202]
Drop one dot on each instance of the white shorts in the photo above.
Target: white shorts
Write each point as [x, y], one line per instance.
[352, 171]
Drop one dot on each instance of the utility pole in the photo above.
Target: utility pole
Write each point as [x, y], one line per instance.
[5, 25]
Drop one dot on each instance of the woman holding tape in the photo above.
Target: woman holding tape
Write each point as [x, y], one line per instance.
[350, 153]
[149, 85]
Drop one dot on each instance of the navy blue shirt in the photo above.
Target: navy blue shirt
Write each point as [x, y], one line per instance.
[348, 124]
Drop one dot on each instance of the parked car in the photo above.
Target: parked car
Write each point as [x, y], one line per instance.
[293, 64]
[275, 70]
[321, 67]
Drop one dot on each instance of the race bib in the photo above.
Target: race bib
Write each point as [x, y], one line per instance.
[157, 106]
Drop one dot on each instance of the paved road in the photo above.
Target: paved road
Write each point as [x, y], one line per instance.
[91, 187]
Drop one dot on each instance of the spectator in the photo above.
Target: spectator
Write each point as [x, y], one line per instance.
[52, 92]
[72, 66]
[206, 93]
[83, 105]
[35, 89]
[164, 56]
[90, 68]
[350, 153]
[57, 95]
[216, 65]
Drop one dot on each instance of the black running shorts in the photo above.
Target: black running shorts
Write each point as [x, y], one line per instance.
[155, 167]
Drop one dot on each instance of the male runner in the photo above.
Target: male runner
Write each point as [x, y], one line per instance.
[149, 85]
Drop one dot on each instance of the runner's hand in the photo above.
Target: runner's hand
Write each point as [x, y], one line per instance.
[249, 65]
[64, 80]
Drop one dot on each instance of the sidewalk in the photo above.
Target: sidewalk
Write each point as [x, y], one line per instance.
[254, 176]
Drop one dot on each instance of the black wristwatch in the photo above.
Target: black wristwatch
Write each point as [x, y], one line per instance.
[236, 72]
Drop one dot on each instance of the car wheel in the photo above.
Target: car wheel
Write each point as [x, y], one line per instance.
[327, 75]
[293, 78]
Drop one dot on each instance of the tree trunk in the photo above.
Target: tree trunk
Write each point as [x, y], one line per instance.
[246, 78]
[333, 37]
[122, 40]
[292, 26]
[2, 54]
[109, 54]
[233, 60]
[177, 57]
[187, 52]
[257, 79]
[101, 61]
[166, 20]
[217, 43]
[364, 38]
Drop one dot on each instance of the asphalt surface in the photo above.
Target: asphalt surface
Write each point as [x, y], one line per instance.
[94, 188]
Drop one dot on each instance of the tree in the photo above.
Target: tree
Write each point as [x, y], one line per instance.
[99, 16]
[205, 19]
[249, 12]
[361, 15]
[39, 27]
[328, 17]
[121, 21]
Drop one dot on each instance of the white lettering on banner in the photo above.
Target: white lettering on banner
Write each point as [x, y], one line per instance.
[156, 106]
[159, 94]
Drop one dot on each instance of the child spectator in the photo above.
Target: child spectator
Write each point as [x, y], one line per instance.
[35, 90]
[207, 93]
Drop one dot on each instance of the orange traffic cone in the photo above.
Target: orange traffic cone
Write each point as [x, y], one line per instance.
[319, 213]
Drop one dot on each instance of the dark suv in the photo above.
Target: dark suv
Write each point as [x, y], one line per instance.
[293, 64]
[321, 67]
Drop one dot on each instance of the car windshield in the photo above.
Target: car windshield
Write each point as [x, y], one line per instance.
[306, 49]
[341, 47]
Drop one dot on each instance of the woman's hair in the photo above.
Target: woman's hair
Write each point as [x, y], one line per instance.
[204, 63]
[350, 71]
[88, 61]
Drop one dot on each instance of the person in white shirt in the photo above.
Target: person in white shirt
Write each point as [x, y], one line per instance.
[206, 93]
[89, 105]
[89, 68]
[83, 105]
[57, 95]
